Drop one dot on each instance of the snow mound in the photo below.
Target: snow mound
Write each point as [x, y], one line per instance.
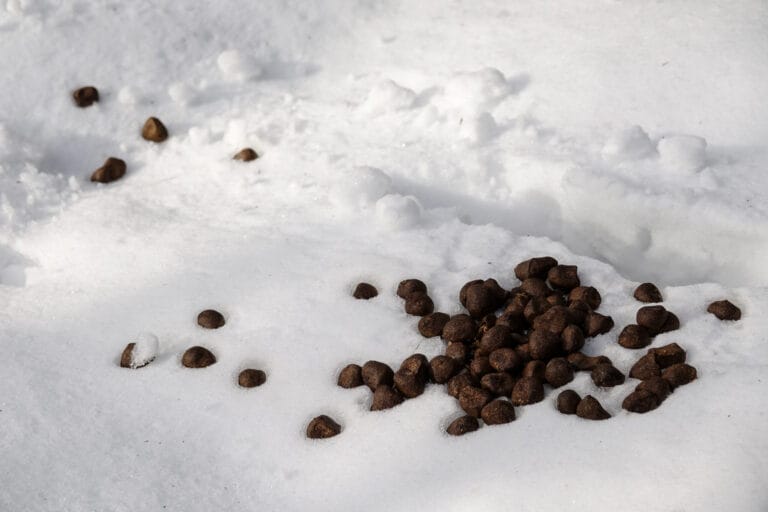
[237, 66]
[144, 349]
[683, 154]
[476, 91]
[631, 143]
[388, 96]
[395, 212]
[360, 188]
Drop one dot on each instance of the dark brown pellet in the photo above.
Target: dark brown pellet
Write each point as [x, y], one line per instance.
[505, 360]
[634, 336]
[668, 355]
[640, 402]
[251, 378]
[527, 390]
[460, 328]
[409, 286]
[543, 345]
[472, 400]
[85, 96]
[376, 374]
[568, 401]
[442, 368]
[112, 170]
[498, 412]
[463, 425]
[458, 352]
[652, 318]
[385, 398]
[463, 291]
[596, 324]
[499, 383]
[419, 304]
[322, 427]
[536, 287]
[535, 369]
[590, 409]
[479, 366]
[365, 291]
[210, 319]
[587, 294]
[647, 292]
[679, 375]
[351, 376]
[656, 385]
[581, 362]
[432, 325]
[409, 384]
[554, 320]
[154, 130]
[724, 310]
[558, 372]
[645, 368]
[534, 267]
[126, 358]
[497, 337]
[246, 155]
[197, 357]
[606, 375]
[572, 338]
[459, 382]
[563, 277]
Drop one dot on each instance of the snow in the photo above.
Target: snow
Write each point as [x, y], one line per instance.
[440, 141]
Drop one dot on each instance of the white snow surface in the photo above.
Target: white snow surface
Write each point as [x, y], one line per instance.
[444, 141]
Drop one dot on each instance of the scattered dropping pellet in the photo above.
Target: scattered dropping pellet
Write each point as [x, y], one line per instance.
[668, 355]
[568, 401]
[497, 412]
[480, 300]
[640, 401]
[652, 318]
[459, 382]
[579, 311]
[535, 307]
[419, 304]
[582, 362]
[544, 345]
[671, 324]
[210, 319]
[322, 427]
[128, 359]
[365, 291]
[656, 385]
[409, 286]
[647, 292]
[596, 324]
[590, 409]
[527, 390]
[607, 375]
[634, 336]
[724, 310]
[408, 383]
[564, 277]
[463, 291]
[679, 374]
[472, 400]
[197, 357]
[460, 328]
[385, 398]
[376, 374]
[586, 294]
[458, 352]
[498, 336]
[554, 320]
[463, 425]
[516, 306]
[251, 378]
[535, 267]
[442, 368]
[558, 372]
[351, 376]
[535, 287]
[534, 369]
[572, 339]
[498, 383]
[246, 155]
[432, 325]
[505, 360]
[112, 170]
[85, 96]
[154, 130]
[645, 368]
[479, 366]
[418, 364]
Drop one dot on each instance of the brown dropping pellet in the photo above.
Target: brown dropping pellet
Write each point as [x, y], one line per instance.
[351, 376]
[543, 345]
[473, 399]
[647, 292]
[409, 384]
[419, 304]
[515, 322]
[154, 130]
[564, 277]
[251, 378]
[505, 360]
[112, 170]
[409, 286]
[418, 364]
[480, 301]
[497, 337]
[634, 336]
[479, 366]
[497, 412]
[656, 385]
[556, 299]
[246, 155]
[640, 402]
[535, 307]
[724, 310]
[197, 357]
[587, 294]
[568, 401]
[385, 398]
[645, 368]
[432, 325]
[679, 374]
[463, 291]
[365, 291]
[582, 362]
[558, 372]
[652, 318]
[606, 376]
[524, 351]
[498, 384]
[459, 382]
[534, 267]
[534, 369]
[517, 304]
[485, 324]
[458, 352]
[498, 293]
[579, 311]
[672, 323]
[527, 390]
[210, 319]
[459, 329]
[590, 409]
[668, 355]
[572, 339]
[126, 358]
[322, 427]
[442, 368]
[536, 287]
[554, 320]
[376, 374]
[85, 96]
[463, 425]
[596, 324]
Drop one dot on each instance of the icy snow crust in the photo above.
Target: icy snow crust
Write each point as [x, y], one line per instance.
[412, 140]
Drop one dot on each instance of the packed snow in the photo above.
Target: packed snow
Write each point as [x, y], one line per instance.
[442, 141]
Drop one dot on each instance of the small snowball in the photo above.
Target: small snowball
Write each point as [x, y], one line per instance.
[181, 93]
[396, 212]
[128, 95]
[237, 66]
[388, 96]
[478, 90]
[685, 154]
[144, 350]
[630, 143]
[360, 188]
[479, 129]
